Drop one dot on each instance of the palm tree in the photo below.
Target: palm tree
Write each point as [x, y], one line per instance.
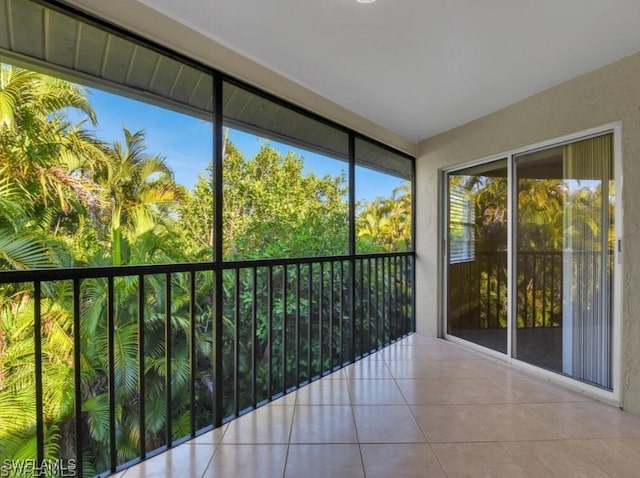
[141, 197]
[400, 217]
[386, 222]
[64, 195]
[373, 219]
[40, 149]
[95, 365]
[41, 157]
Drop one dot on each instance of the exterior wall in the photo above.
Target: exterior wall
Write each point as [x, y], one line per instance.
[152, 25]
[606, 95]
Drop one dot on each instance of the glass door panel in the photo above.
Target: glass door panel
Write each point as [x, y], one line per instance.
[477, 281]
[564, 259]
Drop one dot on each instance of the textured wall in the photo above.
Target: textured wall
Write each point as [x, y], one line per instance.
[609, 94]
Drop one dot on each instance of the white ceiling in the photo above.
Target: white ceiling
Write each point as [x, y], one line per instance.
[420, 67]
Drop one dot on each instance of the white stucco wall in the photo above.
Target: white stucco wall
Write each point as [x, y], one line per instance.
[609, 94]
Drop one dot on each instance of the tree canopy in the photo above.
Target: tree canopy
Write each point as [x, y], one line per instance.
[69, 198]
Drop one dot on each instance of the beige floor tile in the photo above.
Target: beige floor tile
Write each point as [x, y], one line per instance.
[323, 424]
[436, 351]
[268, 424]
[367, 369]
[482, 460]
[450, 391]
[324, 392]
[402, 344]
[532, 390]
[323, 461]
[619, 457]
[588, 420]
[469, 416]
[553, 459]
[450, 423]
[287, 400]
[210, 438]
[433, 369]
[184, 461]
[513, 421]
[387, 424]
[497, 371]
[375, 392]
[247, 461]
[417, 339]
[408, 460]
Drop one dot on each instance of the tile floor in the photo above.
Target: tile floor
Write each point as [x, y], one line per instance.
[419, 408]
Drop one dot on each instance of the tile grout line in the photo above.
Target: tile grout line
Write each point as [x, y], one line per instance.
[210, 462]
[293, 417]
[426, 438]
[355, 425]
[424, 433]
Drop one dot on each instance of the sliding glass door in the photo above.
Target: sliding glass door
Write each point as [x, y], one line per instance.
[564, 265]
[477, 255]
[557, 288]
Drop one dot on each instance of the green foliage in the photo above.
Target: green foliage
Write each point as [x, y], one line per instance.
[556, 218]
[196, 218]
[273, 209]
[67, 198]
[384, 224]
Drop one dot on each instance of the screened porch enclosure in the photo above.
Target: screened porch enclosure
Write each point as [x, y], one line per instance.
[177, 247]
[286, 323]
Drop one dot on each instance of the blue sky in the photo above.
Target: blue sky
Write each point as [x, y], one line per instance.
[186, 142]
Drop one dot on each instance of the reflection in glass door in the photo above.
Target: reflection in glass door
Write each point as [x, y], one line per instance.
[564, 264]
[554, 280]
[477, 282]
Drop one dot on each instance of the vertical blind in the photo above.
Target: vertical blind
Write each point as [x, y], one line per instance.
[587, 257]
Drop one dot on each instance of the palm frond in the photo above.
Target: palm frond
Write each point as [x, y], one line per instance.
[23, 252]
[126, 357]
[97, 410]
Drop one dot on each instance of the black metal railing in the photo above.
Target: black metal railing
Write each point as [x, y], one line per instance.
[122, 363]
[539, 288]
[478, 289]
[477, 292]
